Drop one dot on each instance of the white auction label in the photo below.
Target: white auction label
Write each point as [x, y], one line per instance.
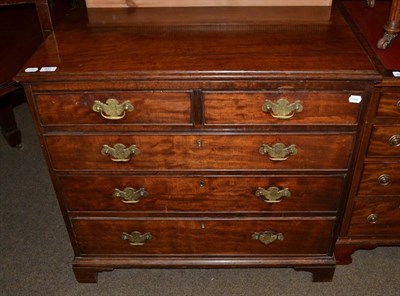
[48, 69]
[355, 99]
[31, 70]
[396, 73]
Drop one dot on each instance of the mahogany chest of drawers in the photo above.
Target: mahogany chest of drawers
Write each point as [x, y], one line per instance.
[373, 210]
[219, 147]
[372, 215]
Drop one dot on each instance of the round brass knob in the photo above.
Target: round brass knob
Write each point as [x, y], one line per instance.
[372, 219]
[384, 180]
[394, 141]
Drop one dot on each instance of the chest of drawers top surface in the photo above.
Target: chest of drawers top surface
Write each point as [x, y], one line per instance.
[286, 49]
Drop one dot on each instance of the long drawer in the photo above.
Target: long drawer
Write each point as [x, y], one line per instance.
[137, 107]
[286, 107]
[376, 216]
[200, 152]
[380, 179]
[202, 193]
[203, 236]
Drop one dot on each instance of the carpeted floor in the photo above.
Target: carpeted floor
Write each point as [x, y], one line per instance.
[35, 253]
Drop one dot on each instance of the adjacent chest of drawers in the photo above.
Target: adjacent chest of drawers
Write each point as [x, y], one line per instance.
[373, 211]
[372, 214]
[201, 148]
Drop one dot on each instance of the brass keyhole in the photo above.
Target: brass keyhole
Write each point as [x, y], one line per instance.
[199, 143]
[203, 225]
[201, 184]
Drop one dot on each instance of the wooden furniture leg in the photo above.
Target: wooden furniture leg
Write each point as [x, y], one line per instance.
[88, 275]
[343, 252]
[392, 27]
[319, 274]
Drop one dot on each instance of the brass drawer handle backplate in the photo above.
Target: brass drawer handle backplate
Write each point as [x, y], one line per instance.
[394, 141]
[112, 109]
[398, 105]
[278, 151]
[120, 153]
[273, 194]
[384, 179]
[282, 109]
[135, 238]
[129, 194]
[267, 237]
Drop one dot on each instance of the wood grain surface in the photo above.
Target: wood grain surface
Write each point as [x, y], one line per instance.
[197, 194]
[204, 236]
[208, 3]
[388, 211]
[218, 152]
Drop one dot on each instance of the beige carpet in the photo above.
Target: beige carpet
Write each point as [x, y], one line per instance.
[35, 253]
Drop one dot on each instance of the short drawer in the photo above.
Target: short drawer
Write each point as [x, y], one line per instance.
[389, 104]
[202, 152]
[385, 141]
[206, 236]
[379, 216]
[165, 194]
[380, 179]
[114, 108]
[288, 107]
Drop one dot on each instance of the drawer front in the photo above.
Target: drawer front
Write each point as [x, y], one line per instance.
[129, 108]
[197, 237]
[380, 179]
[202, 152]
[247, 108]
[385, 223]
[385, 142]
[389, 104]
[202, 194]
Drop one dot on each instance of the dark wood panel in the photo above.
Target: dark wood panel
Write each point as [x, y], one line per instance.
[389, 104]
[205, 82]
[155, 107]
[388, 212]
[222, 237]
[192, 16]
[217, 152]
[202, 194]
[246, 108]
[370, 184]
[380, 141]
[20, 35]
